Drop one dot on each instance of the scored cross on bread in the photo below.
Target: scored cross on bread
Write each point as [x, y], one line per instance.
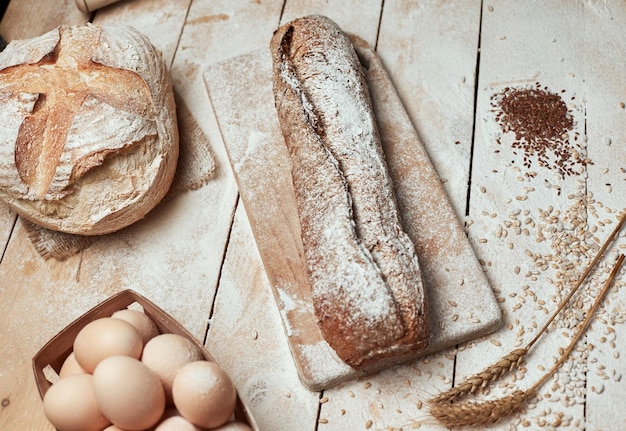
[66, 85]
[89, 137]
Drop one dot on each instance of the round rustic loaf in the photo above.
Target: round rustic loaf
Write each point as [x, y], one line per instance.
[89, 139]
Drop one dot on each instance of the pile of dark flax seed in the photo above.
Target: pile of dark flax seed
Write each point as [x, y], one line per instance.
[543, 127]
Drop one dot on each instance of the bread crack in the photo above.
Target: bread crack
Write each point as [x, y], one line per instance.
[62, 81]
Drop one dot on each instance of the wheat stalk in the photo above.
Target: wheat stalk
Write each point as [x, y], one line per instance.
[478, 382]
[476, 413]
[582, 278]
[583, 326]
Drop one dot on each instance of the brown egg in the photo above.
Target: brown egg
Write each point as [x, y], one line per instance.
[103, 338]
[165, 354]
[204, 394]
[141, 321]
[176, 423]
[233, 426]
[113, 428]
[70, 367]
[70, 405]
[128, 392]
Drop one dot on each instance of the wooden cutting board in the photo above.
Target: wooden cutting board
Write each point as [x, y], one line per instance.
[462, 304]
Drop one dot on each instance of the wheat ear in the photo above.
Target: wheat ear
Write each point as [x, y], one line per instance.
[478, 382]
[476, 413]
[454, 415]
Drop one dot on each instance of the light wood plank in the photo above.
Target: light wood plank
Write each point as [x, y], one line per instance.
[529, 223]
[28, 318]
[603, 69]
[161, 21]
[359, 18]
[151, 256]
[38, 299]
[221, 29]
[7, 220]
[264, 378]
[430, 50]
[246, 336]
[502, 187]
[24, 19]
[210, 33]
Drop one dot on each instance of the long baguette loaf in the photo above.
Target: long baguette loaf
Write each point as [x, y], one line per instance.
[89, 138]
[367, 288]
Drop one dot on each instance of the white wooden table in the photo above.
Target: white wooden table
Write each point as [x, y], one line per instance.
[532, 229]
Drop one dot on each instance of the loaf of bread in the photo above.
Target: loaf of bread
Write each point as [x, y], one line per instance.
[367, 289]
[89, 138]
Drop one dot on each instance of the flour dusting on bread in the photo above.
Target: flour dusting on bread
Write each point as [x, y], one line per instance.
[366, 283]
[91, 139]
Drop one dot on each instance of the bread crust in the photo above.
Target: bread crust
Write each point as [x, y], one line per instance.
[367, 287]
[92, 140]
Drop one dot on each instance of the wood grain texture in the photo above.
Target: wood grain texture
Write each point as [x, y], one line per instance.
[242, 292]
[431, 50]
[603, 68]
[261, 164]
[43, 295]
[7, 220]
[359, 18]
[246, 336]
[161, 21]
[176, 256]
[180, 277]
[537, 227]
[18, 21]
